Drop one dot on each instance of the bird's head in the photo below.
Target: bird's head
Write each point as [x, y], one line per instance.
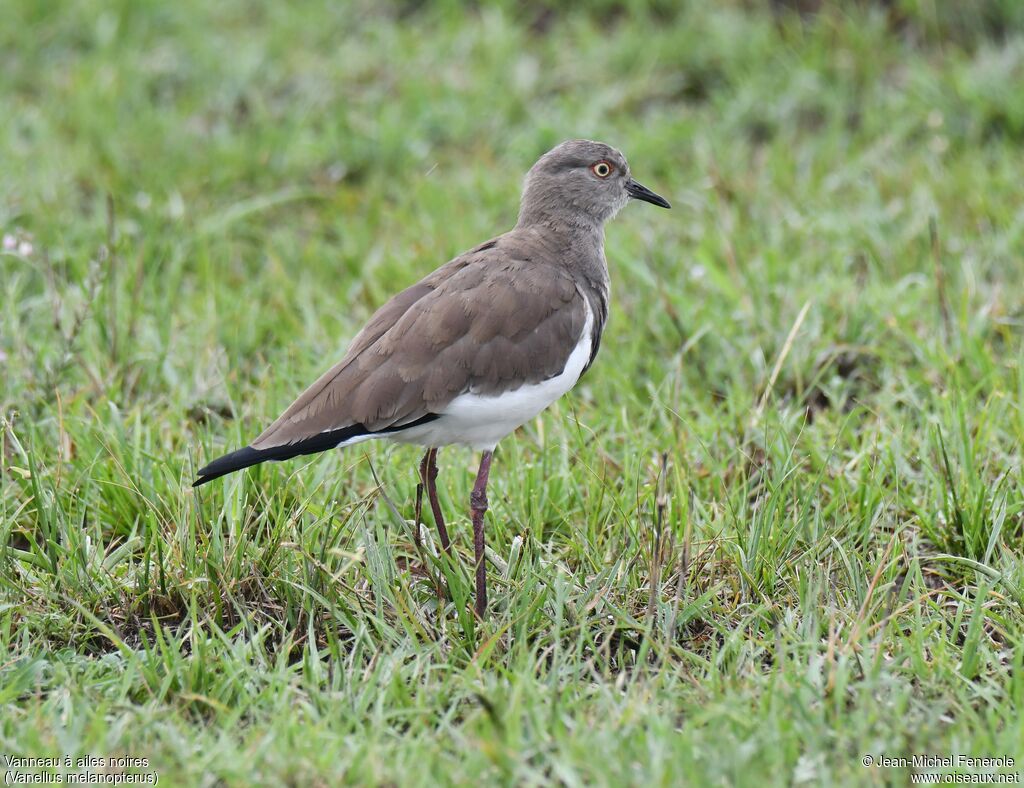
[581, 181]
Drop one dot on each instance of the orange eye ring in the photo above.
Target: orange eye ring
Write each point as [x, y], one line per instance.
[602, 169]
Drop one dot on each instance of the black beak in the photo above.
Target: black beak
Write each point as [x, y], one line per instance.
[639, 192]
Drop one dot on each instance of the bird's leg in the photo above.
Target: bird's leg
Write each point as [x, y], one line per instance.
[478, 505]
[428, 472]
[419, 504]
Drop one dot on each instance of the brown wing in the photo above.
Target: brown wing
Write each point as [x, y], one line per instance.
[484, 322]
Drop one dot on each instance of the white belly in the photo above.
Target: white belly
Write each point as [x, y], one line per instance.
[480, 421]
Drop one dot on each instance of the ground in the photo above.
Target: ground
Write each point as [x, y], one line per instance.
[776, 529]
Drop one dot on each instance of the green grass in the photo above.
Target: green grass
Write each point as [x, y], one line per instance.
[777, 527]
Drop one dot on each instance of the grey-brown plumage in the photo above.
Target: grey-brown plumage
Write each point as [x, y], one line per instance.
[491, 320]
[484, 342]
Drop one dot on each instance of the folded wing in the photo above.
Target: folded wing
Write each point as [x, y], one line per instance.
[485, 322]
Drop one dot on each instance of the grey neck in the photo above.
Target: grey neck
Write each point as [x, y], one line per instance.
[577, 241]
[543, 205]
[575, 230]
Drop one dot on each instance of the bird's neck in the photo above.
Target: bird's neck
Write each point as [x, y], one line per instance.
[577, 245]
[578, 231]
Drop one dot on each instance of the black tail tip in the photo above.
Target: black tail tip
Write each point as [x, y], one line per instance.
[229, 463]
[322, 441]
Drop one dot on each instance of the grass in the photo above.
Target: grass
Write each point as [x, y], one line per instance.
[776, 528]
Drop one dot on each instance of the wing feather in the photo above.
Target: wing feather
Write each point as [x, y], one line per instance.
[486, 322]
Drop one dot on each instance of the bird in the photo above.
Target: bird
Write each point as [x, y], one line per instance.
[480, 346]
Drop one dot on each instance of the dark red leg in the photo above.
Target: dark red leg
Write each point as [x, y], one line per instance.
[419, 505]
[428, 473]
[478, 506]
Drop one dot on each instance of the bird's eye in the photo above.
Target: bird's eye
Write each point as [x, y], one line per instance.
[602, 169]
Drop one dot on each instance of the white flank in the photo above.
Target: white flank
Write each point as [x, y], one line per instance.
[480, 421]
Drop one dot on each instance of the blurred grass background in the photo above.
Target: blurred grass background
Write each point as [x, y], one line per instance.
[778, 526]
